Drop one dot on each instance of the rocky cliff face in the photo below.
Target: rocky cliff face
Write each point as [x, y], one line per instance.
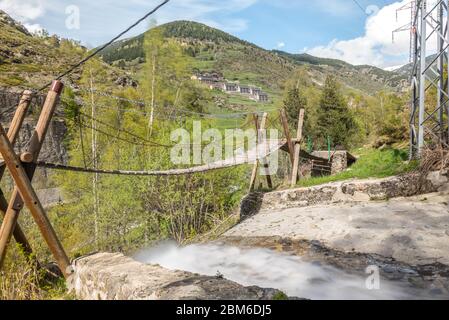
[7, 20]
[54, 149]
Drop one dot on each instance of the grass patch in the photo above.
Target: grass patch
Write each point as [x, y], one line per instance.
[372, 163]
[280, 296]
[21, 281]
[13, 81]
[30, 68]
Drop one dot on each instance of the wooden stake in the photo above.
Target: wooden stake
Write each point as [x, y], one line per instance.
[18, 234]
[17, 122]
[260, 127]
[23, 185]
[297, 149]
[13, 134]
[16, 202]
[291, 146]
[263, 126]
[252, 182]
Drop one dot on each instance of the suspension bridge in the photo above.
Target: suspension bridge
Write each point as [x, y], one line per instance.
[23, 166]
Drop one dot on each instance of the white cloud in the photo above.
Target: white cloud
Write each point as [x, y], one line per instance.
[212, 12]
[33, 28]
[393, 68]
[23, 10]
[229, 25]
[375, 47]
[280, 45]
[336, 8]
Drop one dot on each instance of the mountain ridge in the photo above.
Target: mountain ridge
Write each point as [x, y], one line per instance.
[219, 46]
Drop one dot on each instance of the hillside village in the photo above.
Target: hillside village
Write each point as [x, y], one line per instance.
[215, 81]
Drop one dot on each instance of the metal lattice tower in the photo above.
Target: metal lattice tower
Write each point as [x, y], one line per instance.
[430, 88]
[429, 53]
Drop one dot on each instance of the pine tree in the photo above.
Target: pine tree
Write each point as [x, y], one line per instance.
[293, 103]
[334, 117]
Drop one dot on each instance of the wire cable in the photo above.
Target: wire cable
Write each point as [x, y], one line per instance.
[96, 52]
[360, 7]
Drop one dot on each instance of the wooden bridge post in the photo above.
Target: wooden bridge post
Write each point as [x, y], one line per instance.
[260, 127]
[291, 146]
[252, 182]
[29, 197]
[297, 149]
[13, 134]
[16, 202]
[263, 126]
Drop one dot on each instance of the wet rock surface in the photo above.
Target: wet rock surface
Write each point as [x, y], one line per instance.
[429, 281]
[352, 225]
[409, 230]
[356, 224]
[107, 276]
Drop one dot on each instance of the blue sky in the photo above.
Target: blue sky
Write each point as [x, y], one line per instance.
[359, 34]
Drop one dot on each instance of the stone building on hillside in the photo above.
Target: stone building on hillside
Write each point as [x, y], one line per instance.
[255, 91]
[230, 87]
[216, 81]
[262, 97]
[244, 89]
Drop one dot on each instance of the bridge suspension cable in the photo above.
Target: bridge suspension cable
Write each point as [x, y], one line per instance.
[181, 110]
[248, 157]
[97, 51]
[141, 142]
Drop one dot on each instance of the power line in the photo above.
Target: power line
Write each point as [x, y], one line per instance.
[93, 54]
[144, 140]
[145, 143]
[182, 110]
[360, 7]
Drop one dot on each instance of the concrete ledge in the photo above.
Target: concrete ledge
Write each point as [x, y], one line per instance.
[345, 191]
[107, 276]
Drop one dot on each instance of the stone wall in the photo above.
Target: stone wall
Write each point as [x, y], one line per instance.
[107, 276]
[346, 191]
[341, 160]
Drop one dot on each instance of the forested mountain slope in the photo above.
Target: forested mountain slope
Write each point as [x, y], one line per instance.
[237, 59]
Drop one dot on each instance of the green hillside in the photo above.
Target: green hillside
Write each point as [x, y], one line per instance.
[213, 49]
[28, 60]
[368, 79]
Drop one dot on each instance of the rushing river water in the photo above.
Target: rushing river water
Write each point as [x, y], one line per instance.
[270, 269]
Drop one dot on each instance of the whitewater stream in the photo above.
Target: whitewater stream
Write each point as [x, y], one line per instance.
[269, 269]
